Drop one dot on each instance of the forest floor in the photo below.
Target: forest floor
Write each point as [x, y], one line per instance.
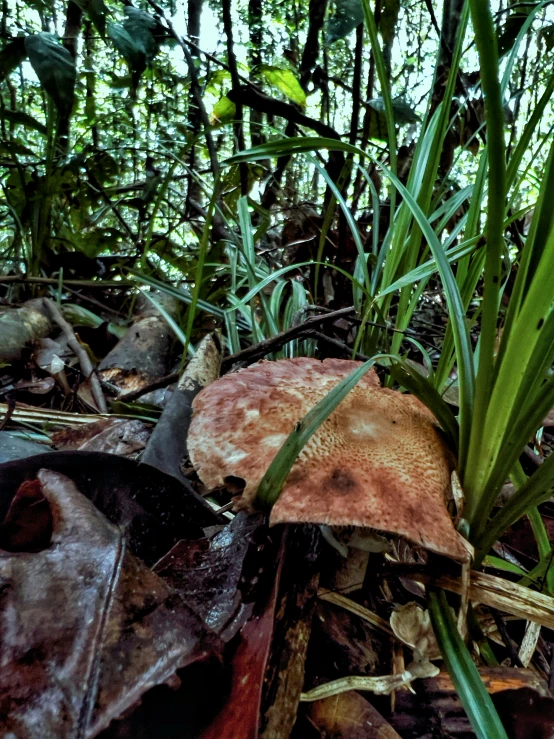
[136, 601]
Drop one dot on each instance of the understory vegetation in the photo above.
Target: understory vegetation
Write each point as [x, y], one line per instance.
[266, 162]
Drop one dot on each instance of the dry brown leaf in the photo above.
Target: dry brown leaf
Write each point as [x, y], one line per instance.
[412, 625]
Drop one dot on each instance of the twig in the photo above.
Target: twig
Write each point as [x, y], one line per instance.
[276, 342]
[80, 353]
[501, 626]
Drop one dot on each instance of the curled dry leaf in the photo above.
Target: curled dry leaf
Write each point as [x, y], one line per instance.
[412, 625]
[378, 460]
[85, 628]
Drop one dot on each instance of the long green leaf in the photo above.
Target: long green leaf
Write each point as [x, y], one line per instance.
[487, 46]
[467, 681]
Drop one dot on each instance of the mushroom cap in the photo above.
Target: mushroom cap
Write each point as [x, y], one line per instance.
[379, 460]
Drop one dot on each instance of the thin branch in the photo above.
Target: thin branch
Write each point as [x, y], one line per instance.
[274, 343]
[80, 353]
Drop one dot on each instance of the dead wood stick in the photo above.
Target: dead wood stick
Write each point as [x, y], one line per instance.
[276, 342]
[80, 353]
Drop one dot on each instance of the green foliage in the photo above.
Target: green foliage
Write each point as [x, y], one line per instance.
[135, 40]
[285, 81]
[55, 68]
[224, 111]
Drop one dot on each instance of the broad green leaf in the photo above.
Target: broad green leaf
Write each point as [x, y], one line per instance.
[11, 56]
[132, 52]
[134, 39]
[216, 80]
[224, 111]
[348, 16]
[467, 681]
[285, 81]
[55, 68]
[140, 26]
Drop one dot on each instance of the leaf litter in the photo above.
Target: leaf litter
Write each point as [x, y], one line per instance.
[149, 597]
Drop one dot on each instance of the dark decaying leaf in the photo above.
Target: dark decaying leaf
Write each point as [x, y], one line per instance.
[139, 357]
[55, 68]
[239, 718]
[168, 443]
[293, 623]
[153, 509]
[525, 713]
[212, 576]
[27, 526]
[12, 447]
[436, 707]
[267, 666]
[126, 437]
[85, 628]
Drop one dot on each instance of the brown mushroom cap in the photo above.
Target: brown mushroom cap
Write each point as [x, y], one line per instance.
[378, 460]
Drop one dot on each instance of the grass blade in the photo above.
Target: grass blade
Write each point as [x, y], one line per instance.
[467, 681]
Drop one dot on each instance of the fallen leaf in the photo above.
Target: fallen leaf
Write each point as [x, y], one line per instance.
[27, 526]
[124, 437]
[85, 627]
[412, 625]
[349, 716]
[212, 575]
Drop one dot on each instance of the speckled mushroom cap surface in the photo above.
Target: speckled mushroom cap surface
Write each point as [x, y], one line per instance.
[378, 460]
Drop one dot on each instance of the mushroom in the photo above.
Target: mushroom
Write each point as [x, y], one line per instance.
[378, 461]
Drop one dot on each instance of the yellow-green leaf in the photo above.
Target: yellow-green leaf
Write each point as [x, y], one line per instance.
[285, 81]
[224, 111]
